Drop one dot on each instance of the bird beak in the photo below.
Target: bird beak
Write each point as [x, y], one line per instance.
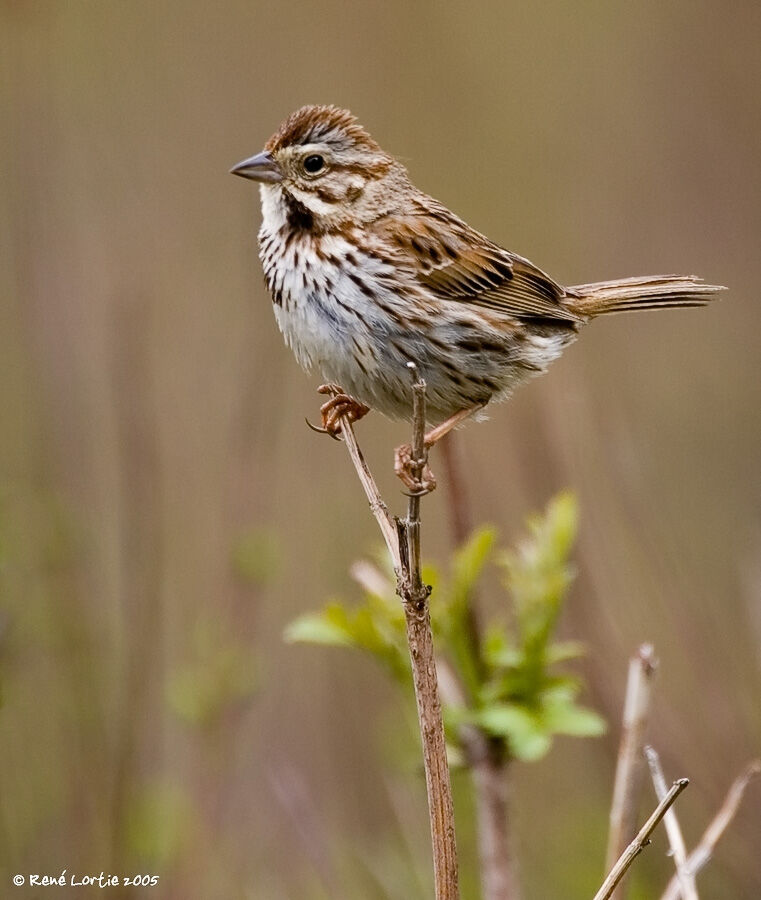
[261, 167]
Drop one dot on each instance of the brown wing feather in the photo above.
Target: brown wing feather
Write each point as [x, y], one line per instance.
[460, 264]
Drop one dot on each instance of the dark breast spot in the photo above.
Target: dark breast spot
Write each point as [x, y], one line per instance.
[299, 217]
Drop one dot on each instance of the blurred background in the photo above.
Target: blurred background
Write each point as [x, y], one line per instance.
[164, 511]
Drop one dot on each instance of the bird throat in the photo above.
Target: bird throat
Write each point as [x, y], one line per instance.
[298, 217]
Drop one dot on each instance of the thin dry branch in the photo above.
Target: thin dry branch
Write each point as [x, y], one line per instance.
[402, 538]
[377, 506]
[640, 841]
[415, 592]
[628, 782]
[705, 848]
[415, 595]
[676, 839]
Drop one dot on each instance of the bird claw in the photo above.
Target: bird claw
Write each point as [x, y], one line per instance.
[403, 467]
[340, 406]
[320, 430]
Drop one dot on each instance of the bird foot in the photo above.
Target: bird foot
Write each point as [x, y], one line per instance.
[340, 405]
[403, 467]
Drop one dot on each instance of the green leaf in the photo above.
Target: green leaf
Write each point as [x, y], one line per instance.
[530, 746]
[510, 688]
[560, 689]
[561, 523]
[527, 737]
[538, 574]
[501, 719]
[377, 628]
[317, 628]
[498, 649]
[576, 721]
[469, 561]
[450, 608]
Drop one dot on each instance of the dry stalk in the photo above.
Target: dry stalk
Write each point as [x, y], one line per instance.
[705, 848]
[640, 841]
[377, 506]
[676, 840]
[402, 538]
[628, 781]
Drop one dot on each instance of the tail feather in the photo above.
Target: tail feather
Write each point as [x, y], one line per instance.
[648, 292]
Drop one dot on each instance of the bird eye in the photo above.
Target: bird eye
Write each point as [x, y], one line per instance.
[314, 163]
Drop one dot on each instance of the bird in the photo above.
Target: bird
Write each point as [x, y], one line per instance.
[368, 274]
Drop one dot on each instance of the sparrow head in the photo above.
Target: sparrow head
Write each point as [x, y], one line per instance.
[324, 163]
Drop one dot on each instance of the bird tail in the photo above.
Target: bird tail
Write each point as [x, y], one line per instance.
[648, 292]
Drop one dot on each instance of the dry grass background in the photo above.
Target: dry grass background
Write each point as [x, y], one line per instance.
[164, 512]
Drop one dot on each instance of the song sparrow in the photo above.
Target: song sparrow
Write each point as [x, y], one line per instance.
[368, 273]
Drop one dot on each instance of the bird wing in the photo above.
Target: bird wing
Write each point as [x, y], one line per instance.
[455, 262]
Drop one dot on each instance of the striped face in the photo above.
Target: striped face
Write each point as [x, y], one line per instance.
[333, 174]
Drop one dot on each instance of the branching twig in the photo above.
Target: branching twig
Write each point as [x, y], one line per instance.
[626, 790]
[703, 852]
[640, 841]
[676, 840]
[402, 538]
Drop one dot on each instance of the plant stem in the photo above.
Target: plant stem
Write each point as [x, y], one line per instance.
[640, 841]
[440, 807]
[676, 839]
[402, 538]
[703, 852]
[499, 871]
[415, 595]
[629, 769]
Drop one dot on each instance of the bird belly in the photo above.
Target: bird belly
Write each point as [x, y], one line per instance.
[342, 314]
[325, 319]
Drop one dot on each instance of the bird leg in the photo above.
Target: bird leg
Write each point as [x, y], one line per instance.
[403, 462]
[339, 406]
